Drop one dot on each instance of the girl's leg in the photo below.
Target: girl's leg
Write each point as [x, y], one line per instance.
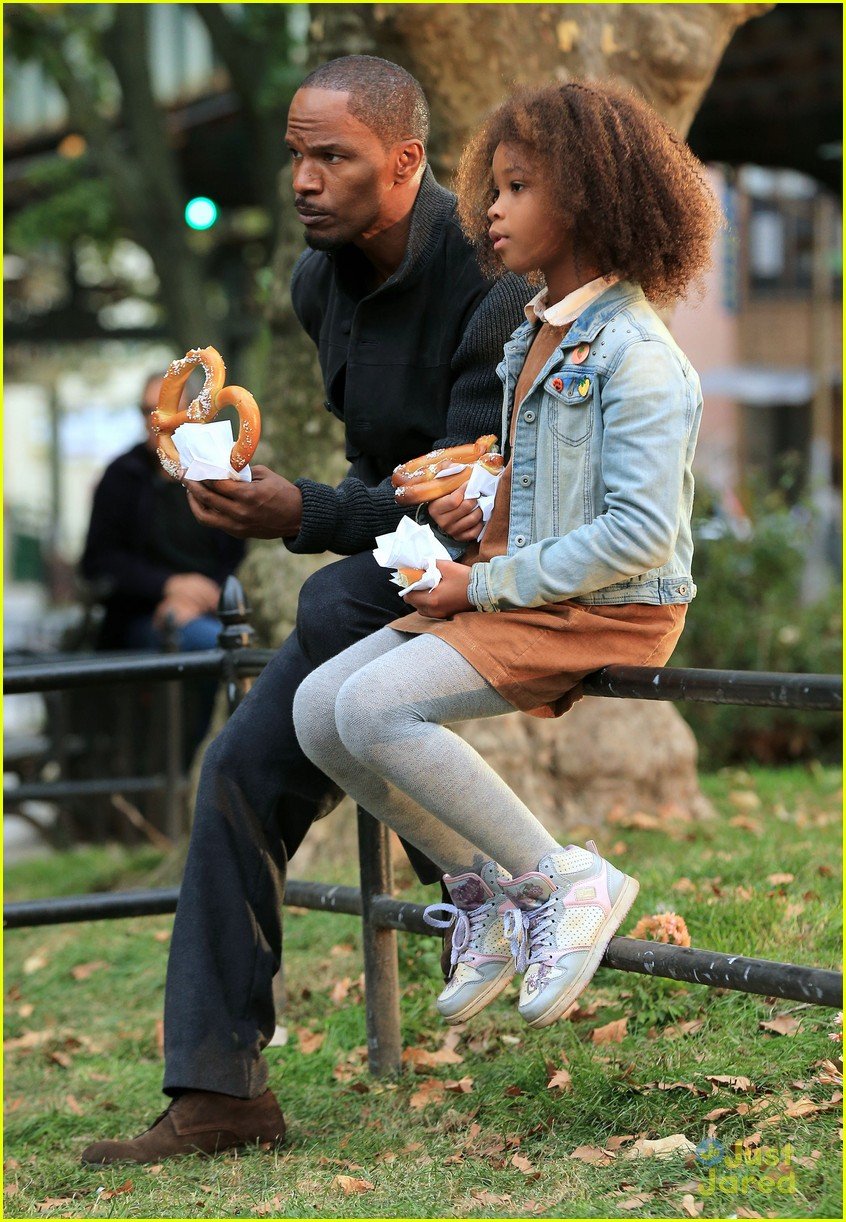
[314, 720]
[391, 717]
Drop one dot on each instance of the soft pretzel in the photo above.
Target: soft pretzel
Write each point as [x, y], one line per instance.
[417, 482]
[213, 396]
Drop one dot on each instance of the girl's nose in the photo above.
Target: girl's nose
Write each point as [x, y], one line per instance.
[494, 211]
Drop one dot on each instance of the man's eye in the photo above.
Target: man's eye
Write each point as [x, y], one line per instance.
[293, 154]
[332, 158]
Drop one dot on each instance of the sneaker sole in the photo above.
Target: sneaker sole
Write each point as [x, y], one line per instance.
[479, 1002]
[612, 923]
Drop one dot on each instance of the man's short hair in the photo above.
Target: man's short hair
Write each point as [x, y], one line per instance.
[382, 95]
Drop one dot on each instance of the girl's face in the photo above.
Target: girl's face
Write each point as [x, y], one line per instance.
[525, 228]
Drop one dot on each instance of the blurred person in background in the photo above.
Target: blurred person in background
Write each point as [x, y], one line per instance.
[148, 558]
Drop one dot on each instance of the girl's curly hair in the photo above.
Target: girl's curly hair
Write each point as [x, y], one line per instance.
[632, 191]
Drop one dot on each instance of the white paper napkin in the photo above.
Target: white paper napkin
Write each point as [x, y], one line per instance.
[204, 451]
[411, 546]
[482, 485]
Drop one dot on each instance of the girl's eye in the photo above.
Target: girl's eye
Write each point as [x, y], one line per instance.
[516, 186]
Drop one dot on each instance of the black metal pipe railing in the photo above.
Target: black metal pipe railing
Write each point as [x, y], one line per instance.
[820, 693]
[790, 981]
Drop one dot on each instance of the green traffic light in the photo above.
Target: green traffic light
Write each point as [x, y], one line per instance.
[200, 212]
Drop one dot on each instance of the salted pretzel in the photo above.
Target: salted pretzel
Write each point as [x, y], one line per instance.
[214, 395]
[417, 482]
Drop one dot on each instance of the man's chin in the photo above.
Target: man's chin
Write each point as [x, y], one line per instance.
[324, 242]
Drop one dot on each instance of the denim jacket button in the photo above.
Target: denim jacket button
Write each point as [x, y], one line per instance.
[519, 540]
[682, 589]
[528, 417]
[525, 480]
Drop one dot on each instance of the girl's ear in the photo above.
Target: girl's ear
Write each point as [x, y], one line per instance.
[409, 157]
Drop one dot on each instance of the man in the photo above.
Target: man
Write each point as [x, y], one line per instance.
[408, 335]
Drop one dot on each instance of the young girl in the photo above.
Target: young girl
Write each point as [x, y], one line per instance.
[586, 558]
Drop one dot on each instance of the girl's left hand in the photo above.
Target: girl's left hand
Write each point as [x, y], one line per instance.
[449, 597]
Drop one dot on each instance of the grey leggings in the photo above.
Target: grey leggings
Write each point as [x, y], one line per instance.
[374, 720]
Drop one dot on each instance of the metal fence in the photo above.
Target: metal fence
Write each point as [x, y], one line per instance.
[236, 662]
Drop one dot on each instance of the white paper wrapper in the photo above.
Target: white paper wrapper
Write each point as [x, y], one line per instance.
[482, 486]
[204, 450]
[411, 546]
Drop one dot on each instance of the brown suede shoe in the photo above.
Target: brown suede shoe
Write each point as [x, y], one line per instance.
[198, 1122]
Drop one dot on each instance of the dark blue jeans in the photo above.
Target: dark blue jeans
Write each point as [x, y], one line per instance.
[258, 796]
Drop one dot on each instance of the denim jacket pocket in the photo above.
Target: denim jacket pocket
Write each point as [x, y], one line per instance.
[568, 403]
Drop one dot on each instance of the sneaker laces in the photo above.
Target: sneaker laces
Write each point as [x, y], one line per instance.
[529, 933]
[467, 924]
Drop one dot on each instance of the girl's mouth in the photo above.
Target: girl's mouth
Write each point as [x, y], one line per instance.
[498, 239]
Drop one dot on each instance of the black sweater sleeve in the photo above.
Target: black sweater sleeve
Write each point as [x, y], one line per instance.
[348, 518]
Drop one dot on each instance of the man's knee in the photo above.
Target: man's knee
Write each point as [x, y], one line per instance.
[325, 614]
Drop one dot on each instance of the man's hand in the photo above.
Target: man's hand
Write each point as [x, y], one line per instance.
[192, 590]
[460, 519]
[449, 597]
[269, 508]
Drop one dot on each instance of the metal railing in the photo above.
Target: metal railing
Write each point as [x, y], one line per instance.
[237, 662]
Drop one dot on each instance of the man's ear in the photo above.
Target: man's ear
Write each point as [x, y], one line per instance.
[410, 155]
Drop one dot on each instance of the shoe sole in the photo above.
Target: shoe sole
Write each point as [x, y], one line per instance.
[612, 923]
[479, 1002]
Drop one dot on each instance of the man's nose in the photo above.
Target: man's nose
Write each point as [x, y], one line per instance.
[306, 179]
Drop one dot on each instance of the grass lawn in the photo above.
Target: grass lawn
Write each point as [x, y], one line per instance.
[482, 1123]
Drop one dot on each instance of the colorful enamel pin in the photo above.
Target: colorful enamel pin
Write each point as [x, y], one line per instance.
[557, 384]
[579, 354]
[584, 387]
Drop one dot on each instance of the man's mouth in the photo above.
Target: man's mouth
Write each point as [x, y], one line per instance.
[310, 216]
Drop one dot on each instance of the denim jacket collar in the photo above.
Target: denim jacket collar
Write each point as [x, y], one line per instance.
[590, 322]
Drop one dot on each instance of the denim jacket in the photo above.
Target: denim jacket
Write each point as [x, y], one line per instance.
[602, 486]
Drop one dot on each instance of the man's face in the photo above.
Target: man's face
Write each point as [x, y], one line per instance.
[341, 171]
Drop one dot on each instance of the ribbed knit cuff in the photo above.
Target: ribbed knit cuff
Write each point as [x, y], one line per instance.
[319, 520]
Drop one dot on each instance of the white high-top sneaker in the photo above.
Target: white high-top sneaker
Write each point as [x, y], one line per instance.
[481, 955]
[569, 909]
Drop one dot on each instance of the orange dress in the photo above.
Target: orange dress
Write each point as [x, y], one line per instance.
[536, 657]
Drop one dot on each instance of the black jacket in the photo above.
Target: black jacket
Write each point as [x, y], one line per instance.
[407, 367]
[141, 532]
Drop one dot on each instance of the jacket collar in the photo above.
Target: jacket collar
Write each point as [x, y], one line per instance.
[433, 208]
[593, 318]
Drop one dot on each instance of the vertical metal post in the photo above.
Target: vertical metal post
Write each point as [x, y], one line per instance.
[233, 612]
[173, 744]
[381, 971]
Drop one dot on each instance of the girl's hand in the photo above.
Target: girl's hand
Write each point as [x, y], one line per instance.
[449, 597]
[460, 519]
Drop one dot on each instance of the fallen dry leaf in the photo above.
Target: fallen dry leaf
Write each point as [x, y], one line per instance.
[732, 1081]
[25, 1010]
[675, 1030]
[34, 963]
[776, 879]
[747, 825]
[83, 970]
[350, 1186]
[522, 1164]
[666, 927]
[461, 1087]
[74, 1105]
[691, 1207]
[592, 1154]
[309, 1040]
[660, 1147]
[431, 1091]
[635, 1202]
[29, 1039]
[685, 885]
[611, 1033]
[614, 1143]
[782, 1025]
[106, 1194]
[744, 799]
[162, 935]
[424, 1058]
[340, 989]
[489, 1198]
[560, 1080]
